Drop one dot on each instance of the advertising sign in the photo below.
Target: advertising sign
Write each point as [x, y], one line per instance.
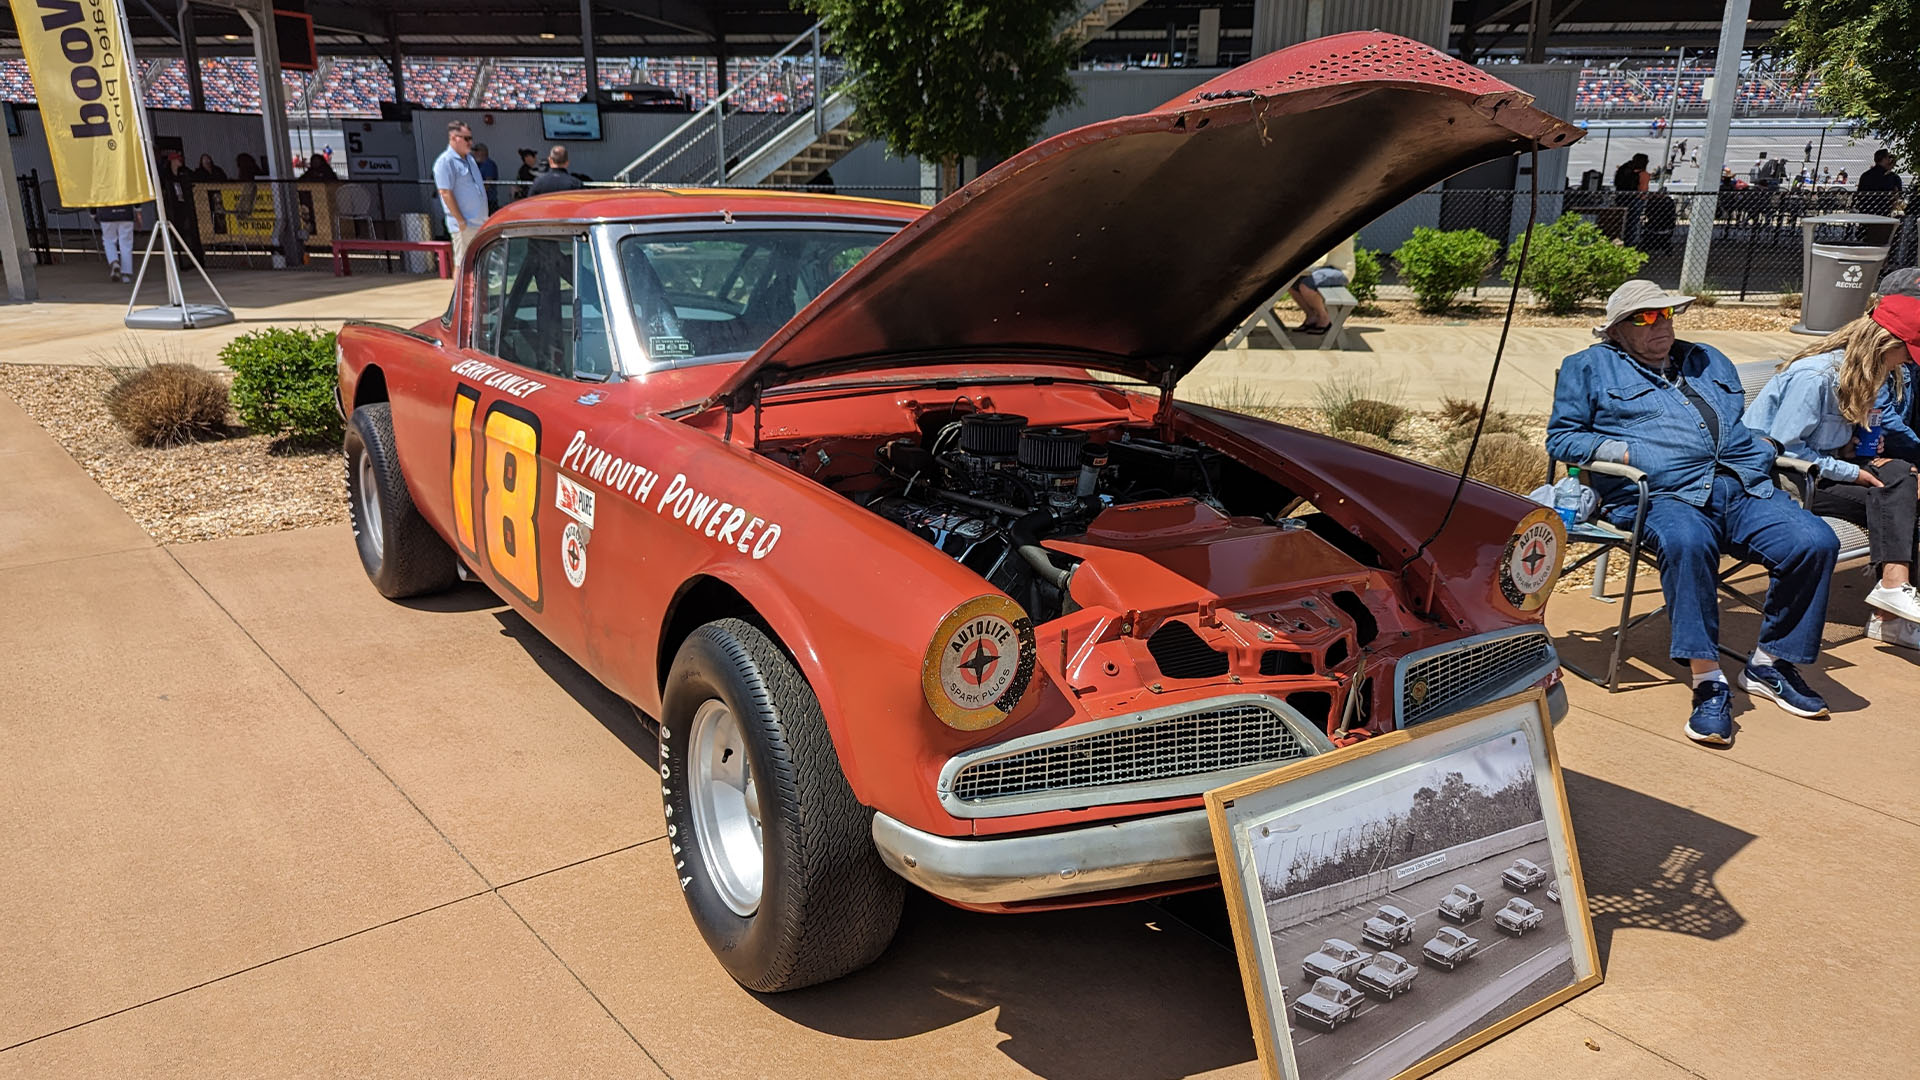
[80, 66]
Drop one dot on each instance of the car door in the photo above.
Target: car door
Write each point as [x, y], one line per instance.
[536, 367]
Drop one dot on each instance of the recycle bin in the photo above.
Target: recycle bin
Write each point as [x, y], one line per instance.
[1840, 267]
[420, 227]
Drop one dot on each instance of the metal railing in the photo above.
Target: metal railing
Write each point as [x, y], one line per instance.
[713, 141]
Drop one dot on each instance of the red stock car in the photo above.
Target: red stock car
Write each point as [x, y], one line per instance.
[890, 517]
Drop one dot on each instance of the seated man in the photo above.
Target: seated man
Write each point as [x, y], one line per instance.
[1672, 409]
[1334, 270]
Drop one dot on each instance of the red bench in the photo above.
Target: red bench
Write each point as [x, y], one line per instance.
[442, 248]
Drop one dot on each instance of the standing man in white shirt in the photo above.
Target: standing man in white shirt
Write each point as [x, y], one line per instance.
[463, 197]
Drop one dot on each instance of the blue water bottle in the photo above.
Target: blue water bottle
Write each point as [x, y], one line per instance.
[1867, 440]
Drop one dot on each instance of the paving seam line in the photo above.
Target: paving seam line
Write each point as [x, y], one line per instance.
[494, 891]
[1631, 1041]
[1677, 741]
[455, 848]
[6, 567]
[311, 700]
[242, 971]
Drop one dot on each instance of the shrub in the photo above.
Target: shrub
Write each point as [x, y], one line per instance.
[1504, 460]
[1365, 285]
[1437, 265]
[167, 404]
[1361, 438]
[1790, 301]
[283, 383]
[1352, 404]
[1462, 415]
[1706, 297]
[1572, 260]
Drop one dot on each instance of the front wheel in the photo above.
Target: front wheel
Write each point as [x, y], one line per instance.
[772, 850]
[401, 553]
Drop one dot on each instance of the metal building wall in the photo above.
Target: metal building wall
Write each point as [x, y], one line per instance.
[1280, 23]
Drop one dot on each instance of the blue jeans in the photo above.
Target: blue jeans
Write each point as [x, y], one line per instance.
[1794, 545]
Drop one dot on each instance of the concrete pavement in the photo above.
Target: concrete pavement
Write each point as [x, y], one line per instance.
[260, 822]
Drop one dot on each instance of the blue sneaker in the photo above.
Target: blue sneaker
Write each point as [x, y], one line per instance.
[1712, 719]
[1781, 682]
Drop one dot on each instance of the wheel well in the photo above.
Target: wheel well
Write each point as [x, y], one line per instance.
[371, 387]
[702, 600]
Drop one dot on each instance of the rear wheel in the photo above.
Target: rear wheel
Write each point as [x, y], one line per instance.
[773, 853]
[401, 553]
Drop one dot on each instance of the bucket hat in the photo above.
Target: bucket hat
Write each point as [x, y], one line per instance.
[1638, 295]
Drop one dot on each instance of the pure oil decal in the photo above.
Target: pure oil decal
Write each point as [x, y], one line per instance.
[709, 515]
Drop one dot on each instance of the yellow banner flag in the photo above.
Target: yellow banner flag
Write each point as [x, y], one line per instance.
[80, 65]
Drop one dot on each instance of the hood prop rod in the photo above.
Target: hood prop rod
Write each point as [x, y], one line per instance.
[1163, 415]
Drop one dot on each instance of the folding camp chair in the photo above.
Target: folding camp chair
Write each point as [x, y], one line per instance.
[1791, 473]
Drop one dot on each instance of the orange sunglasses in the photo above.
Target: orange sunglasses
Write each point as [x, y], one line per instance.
[1650, 316]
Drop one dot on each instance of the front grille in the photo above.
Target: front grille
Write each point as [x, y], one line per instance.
[1180, 653]
[1205, 741]
[1469, 675]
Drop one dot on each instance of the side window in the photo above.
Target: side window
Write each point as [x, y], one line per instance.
[525, 305]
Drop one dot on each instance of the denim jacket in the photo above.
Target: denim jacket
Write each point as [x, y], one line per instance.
[1799, 410]
[1603, 395]
[1896, 418]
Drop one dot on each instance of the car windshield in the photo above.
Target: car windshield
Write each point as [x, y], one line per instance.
[1518, 906]
[1390, 963]
[709, 295]
[1327, 988]
[1450, 936]
[1461, 892]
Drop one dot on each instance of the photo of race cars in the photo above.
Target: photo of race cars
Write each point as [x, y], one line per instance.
[1411, 911]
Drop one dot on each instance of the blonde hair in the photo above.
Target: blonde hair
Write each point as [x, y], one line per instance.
[1863, 342]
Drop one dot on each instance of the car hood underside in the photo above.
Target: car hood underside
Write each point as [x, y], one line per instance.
[1137, 244]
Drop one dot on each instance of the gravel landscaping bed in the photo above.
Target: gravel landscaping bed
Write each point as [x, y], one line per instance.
[236, 486]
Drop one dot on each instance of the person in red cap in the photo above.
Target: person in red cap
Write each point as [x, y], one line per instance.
[1900, 439]
[1823, 408]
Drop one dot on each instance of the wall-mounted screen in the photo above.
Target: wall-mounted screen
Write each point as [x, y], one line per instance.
[570, 121]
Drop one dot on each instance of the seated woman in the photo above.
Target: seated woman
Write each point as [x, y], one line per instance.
[1335, 269]
[1822, 408]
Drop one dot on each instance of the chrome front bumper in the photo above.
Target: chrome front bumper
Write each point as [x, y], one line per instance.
[1070, 862]
[1012, 869]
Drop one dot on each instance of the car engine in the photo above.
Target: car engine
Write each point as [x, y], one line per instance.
[988, 488]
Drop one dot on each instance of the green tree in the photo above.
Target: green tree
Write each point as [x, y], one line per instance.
[1863, 52]
[942, 79]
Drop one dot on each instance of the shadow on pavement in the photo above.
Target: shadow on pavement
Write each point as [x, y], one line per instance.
[1113, 993]
[1648, 864]
[464, 597]
[614, 712]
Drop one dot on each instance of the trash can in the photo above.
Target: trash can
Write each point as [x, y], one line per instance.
[420, 227]
[1841, 265]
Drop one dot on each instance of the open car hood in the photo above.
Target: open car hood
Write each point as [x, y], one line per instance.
[1135, 245]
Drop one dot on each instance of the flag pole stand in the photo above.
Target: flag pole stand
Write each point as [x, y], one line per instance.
[176, 313]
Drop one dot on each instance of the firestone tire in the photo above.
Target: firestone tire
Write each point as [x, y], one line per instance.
[773, 853]
[401, 553]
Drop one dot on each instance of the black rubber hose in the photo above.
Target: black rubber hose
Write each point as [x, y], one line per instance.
[1026, 539]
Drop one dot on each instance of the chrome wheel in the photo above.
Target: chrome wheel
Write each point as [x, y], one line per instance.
[726, 807]
[370, 504]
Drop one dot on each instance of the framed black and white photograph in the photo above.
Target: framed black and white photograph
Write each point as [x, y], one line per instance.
[1399, 902]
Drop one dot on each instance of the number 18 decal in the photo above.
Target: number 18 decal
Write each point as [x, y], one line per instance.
[507, 444]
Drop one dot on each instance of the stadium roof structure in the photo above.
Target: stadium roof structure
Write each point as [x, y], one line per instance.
[1479, 28]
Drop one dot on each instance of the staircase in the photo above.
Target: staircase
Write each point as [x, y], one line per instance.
[1095, 22]
[724, 146]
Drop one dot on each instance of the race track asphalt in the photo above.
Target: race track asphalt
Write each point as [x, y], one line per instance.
[1387, 1036]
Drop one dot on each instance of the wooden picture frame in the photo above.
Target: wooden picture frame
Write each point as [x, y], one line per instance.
[1324, 871]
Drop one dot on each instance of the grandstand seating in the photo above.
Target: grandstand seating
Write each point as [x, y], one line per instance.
[15, 85]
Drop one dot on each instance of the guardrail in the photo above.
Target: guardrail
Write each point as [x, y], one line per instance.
[1291, 910]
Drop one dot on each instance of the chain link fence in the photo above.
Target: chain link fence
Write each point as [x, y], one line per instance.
[1758, 241]
[1757, 247]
